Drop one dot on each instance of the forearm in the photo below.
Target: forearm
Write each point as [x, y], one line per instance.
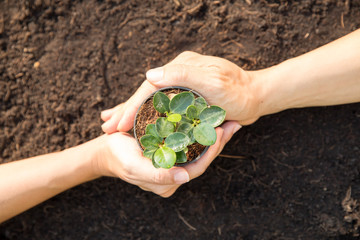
[29, 182]
[329, 75]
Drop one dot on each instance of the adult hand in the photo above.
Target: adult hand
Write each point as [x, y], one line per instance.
[121, 157]
[220, 81]
[326, 76]
[28, 182]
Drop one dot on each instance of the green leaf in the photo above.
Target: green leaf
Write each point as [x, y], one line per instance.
[164, 127]
[149, 153]
[191, 136]
[151, 130]
[149, 142]
[205, 134]
[154, 163]
[184, 118]
[181, 157]
[191, 112]
[174, 118]
[165, 157]
[184, 127]
[161, 102]
[177, 141]
[181, 101]
[187, 128]
[200, 104]
[213, 115]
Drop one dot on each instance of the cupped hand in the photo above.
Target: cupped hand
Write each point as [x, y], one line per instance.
[220, 81]
[121, 157]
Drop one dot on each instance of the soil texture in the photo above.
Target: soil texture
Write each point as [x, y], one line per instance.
[291, 175]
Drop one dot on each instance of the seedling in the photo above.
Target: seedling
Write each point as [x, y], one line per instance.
[184, 120]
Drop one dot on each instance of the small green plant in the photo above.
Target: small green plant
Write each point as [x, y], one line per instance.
[185, 120]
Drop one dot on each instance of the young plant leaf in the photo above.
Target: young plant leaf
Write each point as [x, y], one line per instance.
[200, 104]
[187, 128]
[185, 119]
[154, 163]
[205, 134]
[184, 127]
[177, 141]
[191, 136]
[191, 112]
[213, 115]
[149, 153]
[174, 118]
[151, 130]
[161, 102]
[181, 157]
[165, 157]
[181, 101]
[164, 127]
[149, 142]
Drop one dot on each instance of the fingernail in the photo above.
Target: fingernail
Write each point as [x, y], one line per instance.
[181, 177]
[236, 128]
[155, 75]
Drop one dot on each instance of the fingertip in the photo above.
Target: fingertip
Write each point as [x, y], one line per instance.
[125, 124]
[181, 176]
[236, 128]
[107, 127]
[104, 127]
[127, 120]
[230, 128]
[110, 125]
[106, 114]
[219, 134]
[155, 75]
[235, 125]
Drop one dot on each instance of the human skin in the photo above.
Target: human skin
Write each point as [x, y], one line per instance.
[329, 75]
[28, 182]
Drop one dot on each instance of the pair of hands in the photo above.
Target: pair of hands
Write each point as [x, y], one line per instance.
[329, 75]
[218, 80]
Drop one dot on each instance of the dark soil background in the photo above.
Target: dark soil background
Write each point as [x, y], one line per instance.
[62, 62]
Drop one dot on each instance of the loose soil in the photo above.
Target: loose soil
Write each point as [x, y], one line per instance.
[62, 62]
[148, 115]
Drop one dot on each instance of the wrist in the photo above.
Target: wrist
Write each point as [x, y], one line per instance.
[90, 156]
[102, 156]
[274, 89]
[260, 91]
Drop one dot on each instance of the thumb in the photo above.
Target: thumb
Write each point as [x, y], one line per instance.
[175, 175]
[177, 75]
[224, 134]
[160, 176]
[126, 122]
